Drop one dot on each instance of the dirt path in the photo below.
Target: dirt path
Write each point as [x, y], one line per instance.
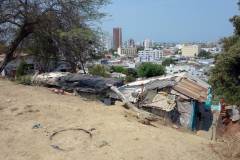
[118, 133]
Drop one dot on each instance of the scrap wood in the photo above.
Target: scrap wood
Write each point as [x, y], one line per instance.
[147, 115]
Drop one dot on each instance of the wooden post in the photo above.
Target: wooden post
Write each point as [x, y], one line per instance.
[147, 115]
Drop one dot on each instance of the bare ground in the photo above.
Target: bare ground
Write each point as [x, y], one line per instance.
[118, 134]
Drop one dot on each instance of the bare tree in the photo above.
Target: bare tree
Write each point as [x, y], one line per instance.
[21, 18]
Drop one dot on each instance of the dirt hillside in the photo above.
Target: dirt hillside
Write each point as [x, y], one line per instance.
[116, 132]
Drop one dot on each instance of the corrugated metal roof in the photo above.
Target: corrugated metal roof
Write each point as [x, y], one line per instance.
[136, 83]
[191, 89]
[158, 84]
[196, 79]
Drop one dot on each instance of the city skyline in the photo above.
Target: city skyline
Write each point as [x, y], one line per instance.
[171, 21]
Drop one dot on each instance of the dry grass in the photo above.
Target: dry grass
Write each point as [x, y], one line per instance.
[226, 150]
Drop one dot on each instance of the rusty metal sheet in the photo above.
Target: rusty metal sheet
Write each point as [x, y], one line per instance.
[191, 89]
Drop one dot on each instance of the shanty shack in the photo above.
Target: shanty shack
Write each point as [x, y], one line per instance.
[179, 97]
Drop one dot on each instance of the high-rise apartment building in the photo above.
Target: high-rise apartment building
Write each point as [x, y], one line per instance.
[130, 43]
[149, 43]
[117, 38]
[108, 43]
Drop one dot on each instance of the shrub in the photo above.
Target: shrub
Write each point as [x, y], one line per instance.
[130, 71]
[98, 70]
[22, 69]
[148, 69]
[168, 61]
[119, 69]
[130, 78]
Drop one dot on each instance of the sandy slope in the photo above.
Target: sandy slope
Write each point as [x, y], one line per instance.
[118, 133]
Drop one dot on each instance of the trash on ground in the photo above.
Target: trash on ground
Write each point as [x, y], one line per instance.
[91, 129]
[56, 147]
[70, 129]
[175, 126]
[8, 129]
[37, 126]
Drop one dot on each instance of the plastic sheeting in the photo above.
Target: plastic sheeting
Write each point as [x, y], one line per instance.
[185, 110]
[235, 111]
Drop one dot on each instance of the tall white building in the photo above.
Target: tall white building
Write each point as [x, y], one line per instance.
[148, 54]
[149, 43]
[108, 43]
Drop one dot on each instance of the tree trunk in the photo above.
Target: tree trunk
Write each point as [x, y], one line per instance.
[147, 115]
[82, 65]
[23, 34]
[73, 67]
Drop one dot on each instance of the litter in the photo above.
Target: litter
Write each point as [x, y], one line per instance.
[91, 129]
[56, 147]
[175, 126]
[37, 126]
[8, 129]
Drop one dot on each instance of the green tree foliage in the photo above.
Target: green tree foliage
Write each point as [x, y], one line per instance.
[226, 73]
[119, 69]
[98, 70]
[130, 72]
[57, 18]
[112, 68]
[205, 54]
[168, 61]
[112, 51]
[130, 78]
[140, 49]
[43, 48]
[23, 69]
[148, 69]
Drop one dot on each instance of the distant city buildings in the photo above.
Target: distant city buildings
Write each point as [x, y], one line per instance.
[130, 43]
[126, 51]
[117, 38]
[148, 54]
[149, 43]
[190, 51]
[108, 43]
[178, 46]
[125, 44]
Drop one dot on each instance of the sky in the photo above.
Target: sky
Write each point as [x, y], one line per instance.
[171, 21]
